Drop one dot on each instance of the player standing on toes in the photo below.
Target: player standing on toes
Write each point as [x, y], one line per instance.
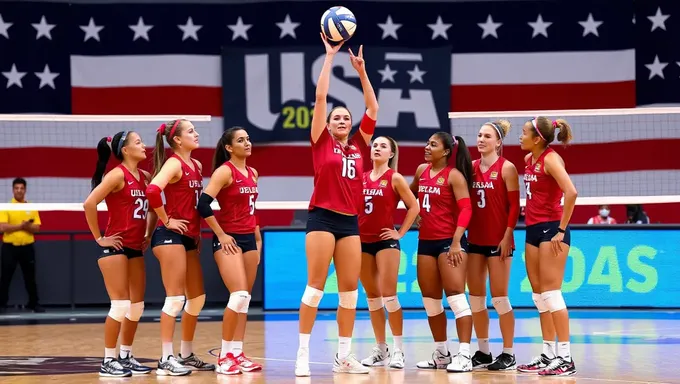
[445, 211]
[175, 242]
[495, 209]
[332, 224]
[234, 185]
[122, 258]
[383, 189]
[548, 239]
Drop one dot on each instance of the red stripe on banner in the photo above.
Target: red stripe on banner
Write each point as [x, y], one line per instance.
[524, 97]
[147, 100]
[294, 160]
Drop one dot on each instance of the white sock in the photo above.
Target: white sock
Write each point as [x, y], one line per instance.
[442, 346]
[464, 349]
[344, 346]
[186, 349]
[398, 342]
[483, 345]
[564, 350]
[237, 347]
[383, 347]
[109, 353]
[125, 351]
[304, 340]
[167, 350]
[226, 348]
[549, 349]
[507, 350]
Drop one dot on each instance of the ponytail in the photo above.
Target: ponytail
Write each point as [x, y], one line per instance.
[158, 152]
[463, 160]
[221, 154]
[103, 156]
[565, 135]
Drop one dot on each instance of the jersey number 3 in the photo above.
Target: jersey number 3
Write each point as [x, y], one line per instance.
[349, 168]
[141, 208]
[482, 198]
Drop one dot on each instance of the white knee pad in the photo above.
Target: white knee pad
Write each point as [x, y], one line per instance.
[554, 301]
[459, 305]
[348, 300]
[195, 305]
[173, 305]
[374, 303]
[238, 301]
[477, 303]
[312, 297]
[135, 311]
[433, 307]
[118, 309]
[391, 304]
[502, 304]
[245, 308]
[538, 301]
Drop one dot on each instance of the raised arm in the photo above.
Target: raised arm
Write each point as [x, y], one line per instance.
[322, 85]
[367, 128]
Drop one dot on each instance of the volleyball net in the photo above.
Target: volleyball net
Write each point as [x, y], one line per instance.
[617, 157]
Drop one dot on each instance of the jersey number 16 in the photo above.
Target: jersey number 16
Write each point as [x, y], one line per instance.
[349, 168]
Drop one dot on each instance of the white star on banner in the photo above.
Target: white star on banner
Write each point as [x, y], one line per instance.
[439, 28]
[141, 30]
[656, 68]
[189, 30]
[489, 27]
[539, 26]
[14, 77]
[658, 20]
[91, 30]
[287, 27]
[43, 29]
[46, 77]
[4, 26]
[387, 74]
[389, 28]
[239, 29]
[590, 26]
[416, 74]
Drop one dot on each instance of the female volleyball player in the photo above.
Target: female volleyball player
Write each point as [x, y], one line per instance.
[443, 192]
[122, 258]
[175, 242]
[332, 224]
[548, 239]
[234, 185]
[495, 209]
[383, 188]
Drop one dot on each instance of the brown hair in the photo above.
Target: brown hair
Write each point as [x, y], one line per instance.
[394, 161]
[174, 126]
[328, 118]
[221, 154]
[545, 129]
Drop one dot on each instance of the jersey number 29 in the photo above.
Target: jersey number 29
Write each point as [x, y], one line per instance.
[141, 209]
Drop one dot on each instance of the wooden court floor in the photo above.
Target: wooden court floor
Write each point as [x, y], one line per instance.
[607, 348]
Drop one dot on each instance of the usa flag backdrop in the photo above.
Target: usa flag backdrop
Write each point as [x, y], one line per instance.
[167, 59]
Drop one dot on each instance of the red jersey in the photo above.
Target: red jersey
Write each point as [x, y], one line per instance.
[127, 210]
[543, 193]
[237, 202]
[181, 197]
[438, 208]
[380, 202]
[490, 205]
[338, 172]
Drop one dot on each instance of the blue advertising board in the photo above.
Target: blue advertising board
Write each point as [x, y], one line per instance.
[605, 268]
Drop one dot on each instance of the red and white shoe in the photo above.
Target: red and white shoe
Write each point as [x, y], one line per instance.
[228, 365]
[247, 365]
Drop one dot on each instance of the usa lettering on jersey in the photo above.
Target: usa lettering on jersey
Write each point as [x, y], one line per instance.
[482, 185]
[430, 190]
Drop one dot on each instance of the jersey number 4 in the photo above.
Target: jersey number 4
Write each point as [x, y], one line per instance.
[349, 168]
[426, 202]
[528, 185]
[141, 209]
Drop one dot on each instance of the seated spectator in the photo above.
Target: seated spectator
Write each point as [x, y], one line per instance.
[603, 216]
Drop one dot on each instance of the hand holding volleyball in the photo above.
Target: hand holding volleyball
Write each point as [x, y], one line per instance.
[338, 24]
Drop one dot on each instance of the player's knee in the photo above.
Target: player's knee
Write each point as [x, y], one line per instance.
[459, 305]
[501, 304]
[477, 303]
[433, 307]
[194, 305]
[374, 303]
[173, 305]
[348, 300]
[538, 301]
[239, 301]
[135, 311]
[554, 300]
[312, 297]
[118, 309]
[391, 304]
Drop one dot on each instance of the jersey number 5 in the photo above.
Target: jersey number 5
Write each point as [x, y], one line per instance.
[368, 204]
[348, 168]
[482, 198]
[426, 202]
[251, 204]
[141, 208]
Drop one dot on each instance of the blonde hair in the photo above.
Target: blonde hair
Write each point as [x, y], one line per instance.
[164, 133]
[394, 161]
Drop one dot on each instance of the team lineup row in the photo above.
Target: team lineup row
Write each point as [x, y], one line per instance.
[351, 222]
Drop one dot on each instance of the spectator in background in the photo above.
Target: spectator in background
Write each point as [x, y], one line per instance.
[636, 215]
[603, 216]
[17, 247]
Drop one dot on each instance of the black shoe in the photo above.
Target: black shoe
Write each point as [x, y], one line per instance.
[481, 360]
[133, 365]
[504, 362]
[36, 308]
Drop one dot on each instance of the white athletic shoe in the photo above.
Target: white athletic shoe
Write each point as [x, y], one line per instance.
[350, 364]
[397, 360]
[460, 363]
[378, 358]
[439, 361]
[302, 364]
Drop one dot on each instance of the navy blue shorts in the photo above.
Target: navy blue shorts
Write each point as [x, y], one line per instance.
[245, 241]
[375, 247]
[486, 250]
[435, 248]
[542, 232]
[323, 220]
[163, 236]
[129, 252]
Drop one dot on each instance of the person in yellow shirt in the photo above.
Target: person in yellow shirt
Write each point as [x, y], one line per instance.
[18, 228]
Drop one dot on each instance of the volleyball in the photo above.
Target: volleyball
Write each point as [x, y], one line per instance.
[338, 24]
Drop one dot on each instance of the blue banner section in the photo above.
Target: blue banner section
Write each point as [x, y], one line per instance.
[271, 91]
[605, 268]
